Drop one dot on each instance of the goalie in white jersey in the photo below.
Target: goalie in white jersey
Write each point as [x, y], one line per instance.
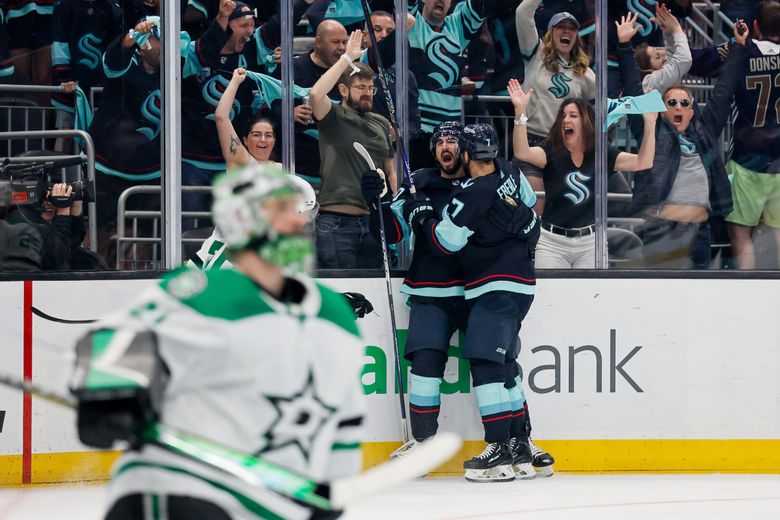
[258, 358]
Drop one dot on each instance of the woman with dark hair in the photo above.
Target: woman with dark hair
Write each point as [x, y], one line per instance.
[259, 138]
[567, 162]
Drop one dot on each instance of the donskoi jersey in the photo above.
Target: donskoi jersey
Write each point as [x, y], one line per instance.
[491, 259]
[757, 125]
[429, 274]
[82, 32]
[436, 57]
[277, 380]
[126, 127]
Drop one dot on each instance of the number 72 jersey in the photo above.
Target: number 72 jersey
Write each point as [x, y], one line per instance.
[757, 125]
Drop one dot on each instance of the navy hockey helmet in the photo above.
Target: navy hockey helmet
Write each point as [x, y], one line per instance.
[446, 129]
[480, 140]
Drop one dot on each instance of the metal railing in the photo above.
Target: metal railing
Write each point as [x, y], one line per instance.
[90, 160]
[134, 216]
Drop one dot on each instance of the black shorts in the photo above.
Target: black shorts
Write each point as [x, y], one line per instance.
[30, 31]
[494, 324]
[433, 321]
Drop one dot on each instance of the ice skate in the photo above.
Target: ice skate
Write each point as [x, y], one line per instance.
[541, 460]
[521, 459]
[494, 464]
[405, 449]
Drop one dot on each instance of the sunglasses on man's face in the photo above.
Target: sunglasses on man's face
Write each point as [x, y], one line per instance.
[685, 103]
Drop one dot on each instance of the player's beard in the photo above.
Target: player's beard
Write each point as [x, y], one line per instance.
[358, 105]
[454, 167]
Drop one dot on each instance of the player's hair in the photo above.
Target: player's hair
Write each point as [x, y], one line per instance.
[579, 61]
[365, 72]
[767, 17]
[642, 57]
[555, 137]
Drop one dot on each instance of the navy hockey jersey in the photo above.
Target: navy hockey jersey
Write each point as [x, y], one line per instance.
[757, 126]
[429, 273]
[491, 259]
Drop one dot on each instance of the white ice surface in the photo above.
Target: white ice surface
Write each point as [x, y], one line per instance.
[563, 496]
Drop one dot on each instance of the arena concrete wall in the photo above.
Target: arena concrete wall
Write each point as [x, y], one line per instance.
[650, 375]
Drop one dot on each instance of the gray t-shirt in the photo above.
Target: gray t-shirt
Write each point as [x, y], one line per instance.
[341, 167]
[691, 186]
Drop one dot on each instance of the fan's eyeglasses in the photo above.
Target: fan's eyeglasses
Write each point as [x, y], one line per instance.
[685, 103]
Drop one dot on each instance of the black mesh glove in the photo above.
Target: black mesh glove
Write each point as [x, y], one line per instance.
[518, 221]
[372, 185]
[359, 303]
[417, 209]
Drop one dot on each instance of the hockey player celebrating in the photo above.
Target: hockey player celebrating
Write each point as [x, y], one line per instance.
[258, 358]
[499, 284]
[433, 284]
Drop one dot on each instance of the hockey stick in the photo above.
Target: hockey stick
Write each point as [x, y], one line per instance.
[333, 496]
[388, 283]
[388, 98]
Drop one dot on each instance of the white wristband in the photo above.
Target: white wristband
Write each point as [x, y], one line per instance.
[522, 120]
[346, 58]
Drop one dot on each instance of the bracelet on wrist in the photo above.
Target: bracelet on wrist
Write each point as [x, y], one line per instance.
[522, 120]
[349, 60]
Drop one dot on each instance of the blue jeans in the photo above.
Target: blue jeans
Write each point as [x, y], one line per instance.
[191, 175]
[345, 242]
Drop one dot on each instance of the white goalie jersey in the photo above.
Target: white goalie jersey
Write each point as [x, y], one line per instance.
[273, 379]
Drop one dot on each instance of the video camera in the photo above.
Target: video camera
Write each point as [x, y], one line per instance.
[31, 182]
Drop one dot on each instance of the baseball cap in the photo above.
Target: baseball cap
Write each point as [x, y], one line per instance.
[559, 17]
[239, 12]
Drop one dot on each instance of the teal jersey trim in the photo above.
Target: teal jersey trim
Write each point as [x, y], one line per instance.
[102, 168]
[500, 285]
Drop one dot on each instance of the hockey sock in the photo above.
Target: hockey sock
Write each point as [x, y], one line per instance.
[518, 427]
[424, 392]
[493, 399]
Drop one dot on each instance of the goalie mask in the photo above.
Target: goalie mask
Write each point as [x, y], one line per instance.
[251, 211]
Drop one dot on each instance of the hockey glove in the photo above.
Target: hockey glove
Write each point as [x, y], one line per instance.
[518, 221]
[359, 303]
[373, 186]
[417, 209]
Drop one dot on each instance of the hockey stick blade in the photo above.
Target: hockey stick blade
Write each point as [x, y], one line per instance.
[428, 456]
[359, 148]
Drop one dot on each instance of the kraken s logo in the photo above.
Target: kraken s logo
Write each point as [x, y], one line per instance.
[212, 91]
[150, 110]
[439, 51]
[643, 9]
[576, 183]
[559, 89]
[88, 46]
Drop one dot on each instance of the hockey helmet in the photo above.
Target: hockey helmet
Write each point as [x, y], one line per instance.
[445, 129]
[310, 205]
[240, 214]
[480, 140]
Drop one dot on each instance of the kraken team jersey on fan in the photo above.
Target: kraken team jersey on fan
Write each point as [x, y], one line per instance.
[757, 126]
[550, 89]
[82, 32]
[270, 378]
[435, 56]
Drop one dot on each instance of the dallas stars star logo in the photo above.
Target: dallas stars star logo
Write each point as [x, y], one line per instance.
[300, 418]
